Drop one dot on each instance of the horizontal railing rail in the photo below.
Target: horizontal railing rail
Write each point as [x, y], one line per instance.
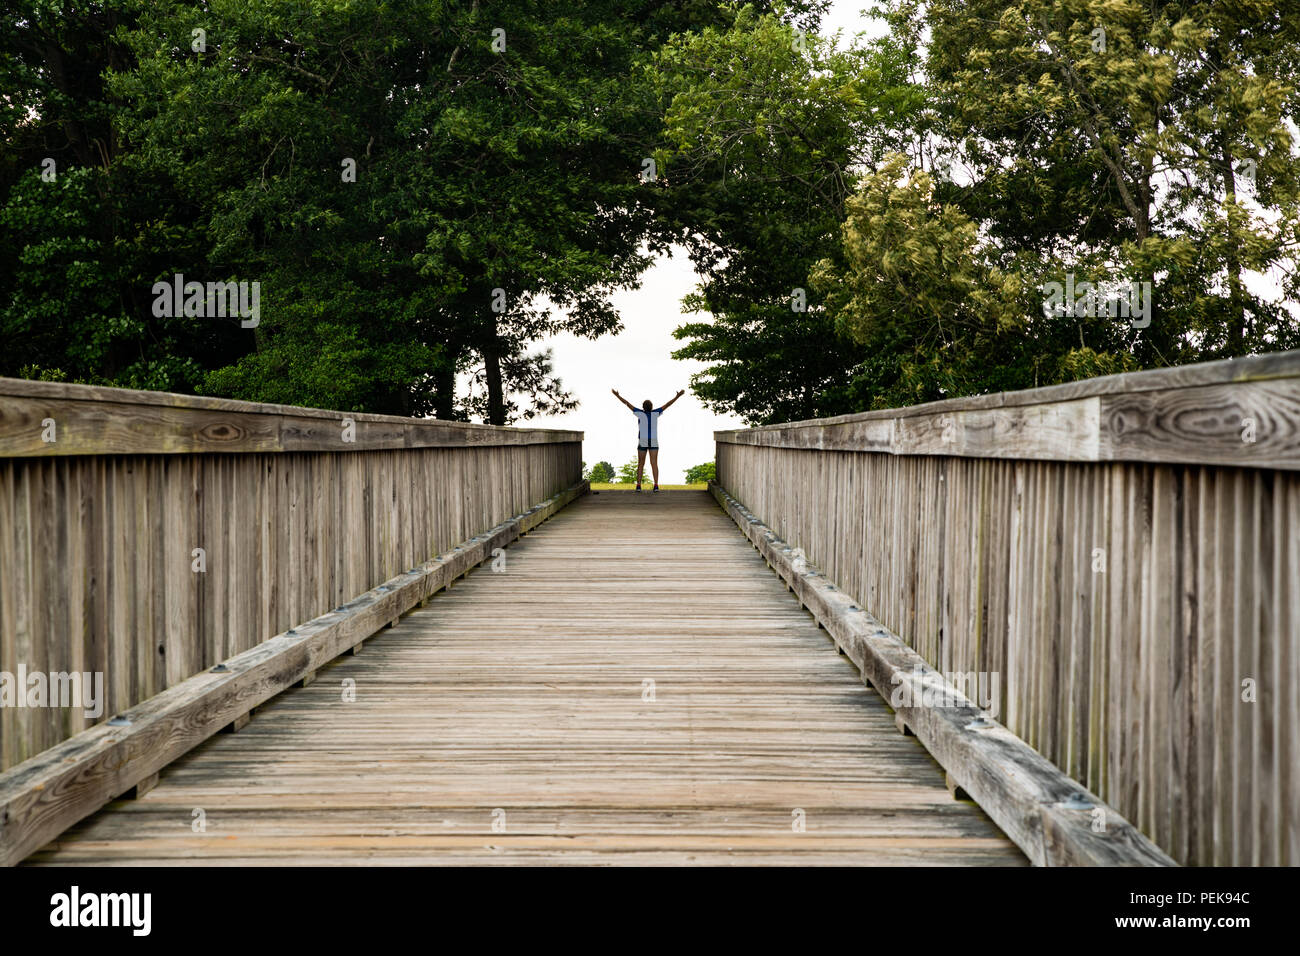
[51, 419]
[1240, 412]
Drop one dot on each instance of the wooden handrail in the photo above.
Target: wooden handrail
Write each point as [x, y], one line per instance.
[93, 420]
[1241, 412]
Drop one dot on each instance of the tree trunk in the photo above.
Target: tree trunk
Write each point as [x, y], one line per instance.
[444, 390]
[77, 135]
[1147, 347]
[1236, 301]
[496, 396]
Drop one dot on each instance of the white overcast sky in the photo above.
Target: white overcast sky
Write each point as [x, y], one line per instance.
[639, 363]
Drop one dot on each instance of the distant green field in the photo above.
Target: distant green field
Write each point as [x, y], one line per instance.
[645, 486]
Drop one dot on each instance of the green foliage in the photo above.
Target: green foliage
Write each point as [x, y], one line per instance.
[627, 472]
[508, 171]
[476, 170]
[1109, 140]
[698, 474]
[765, 129]
[81, 242]
[928, 191]
[601, 471]
[873, 225]
[919, 292]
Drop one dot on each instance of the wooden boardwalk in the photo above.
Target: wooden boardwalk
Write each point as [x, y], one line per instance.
[513, 721]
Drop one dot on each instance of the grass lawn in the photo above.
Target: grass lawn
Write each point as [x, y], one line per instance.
[645, 486]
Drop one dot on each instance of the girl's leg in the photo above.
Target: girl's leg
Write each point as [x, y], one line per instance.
[654, 463]
[640, 464]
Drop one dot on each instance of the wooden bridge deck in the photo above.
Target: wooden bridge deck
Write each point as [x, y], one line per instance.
[519, 699]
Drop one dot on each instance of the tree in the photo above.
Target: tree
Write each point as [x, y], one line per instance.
[932, 188]
[920, 292]
[698, 474]
[764, 126]
[602, 472]
[1126, 128]
[627, 473]
[82, 239]
[404, 180]
[404, 186]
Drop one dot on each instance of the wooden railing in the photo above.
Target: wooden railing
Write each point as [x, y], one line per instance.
[1119, 558]
[147, 537]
